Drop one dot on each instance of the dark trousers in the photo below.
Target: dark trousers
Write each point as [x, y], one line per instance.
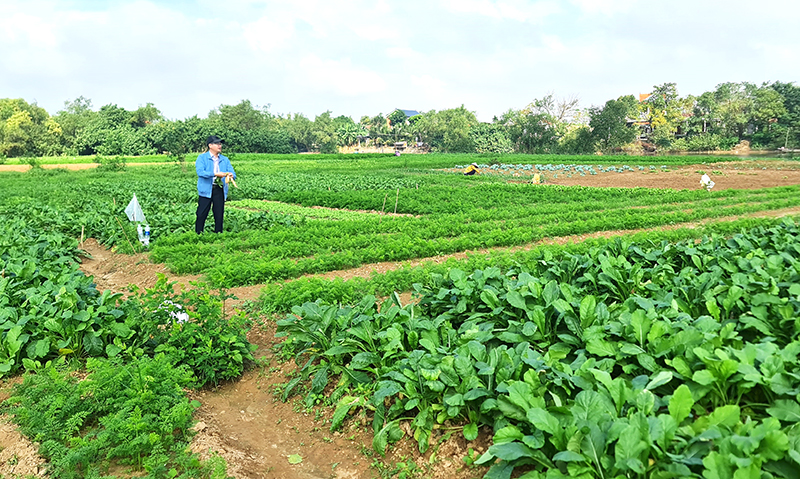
[216, 204]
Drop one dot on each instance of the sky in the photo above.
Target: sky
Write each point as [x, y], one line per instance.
[365, 57]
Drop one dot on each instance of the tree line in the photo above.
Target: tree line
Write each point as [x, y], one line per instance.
[766, 115]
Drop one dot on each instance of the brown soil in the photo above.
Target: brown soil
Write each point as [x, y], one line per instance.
[246, 423]
[70, 166]
[115, 272]
[66, 166]
[748, 174]
[734, 175]
[19, 456]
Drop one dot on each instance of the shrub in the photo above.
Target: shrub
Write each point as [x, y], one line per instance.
[679, 144]
[704, 143]
[191, 329]
[115, 163]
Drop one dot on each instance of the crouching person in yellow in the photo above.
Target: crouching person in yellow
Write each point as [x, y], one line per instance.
[471, 169]
[214, 170]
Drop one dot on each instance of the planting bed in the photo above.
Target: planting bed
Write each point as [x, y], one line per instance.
[728, 175]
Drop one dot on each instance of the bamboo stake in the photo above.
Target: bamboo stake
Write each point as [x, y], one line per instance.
[383, 207]
[126, 234]
[82, 226]
[395, 200]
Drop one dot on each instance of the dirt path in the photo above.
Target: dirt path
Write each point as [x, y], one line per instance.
[257, 433]
[115, 272]
[66, 166]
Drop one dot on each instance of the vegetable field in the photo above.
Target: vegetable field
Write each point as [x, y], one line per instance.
[666, 353]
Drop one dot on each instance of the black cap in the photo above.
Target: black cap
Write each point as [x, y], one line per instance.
[213, 139]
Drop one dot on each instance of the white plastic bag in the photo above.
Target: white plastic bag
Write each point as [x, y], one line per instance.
[706, 182]
[176, 311]
[134, 211]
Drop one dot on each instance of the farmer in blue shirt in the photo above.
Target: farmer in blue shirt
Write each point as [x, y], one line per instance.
[214, 172]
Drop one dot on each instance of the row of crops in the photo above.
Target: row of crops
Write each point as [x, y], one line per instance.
[270, 238]
[630, 360]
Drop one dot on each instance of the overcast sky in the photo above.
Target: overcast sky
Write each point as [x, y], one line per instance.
[364, 57]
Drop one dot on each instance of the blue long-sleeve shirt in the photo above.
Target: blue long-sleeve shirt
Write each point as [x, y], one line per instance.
[205, 173]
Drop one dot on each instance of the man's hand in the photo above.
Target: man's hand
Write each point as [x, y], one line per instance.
[229, 179]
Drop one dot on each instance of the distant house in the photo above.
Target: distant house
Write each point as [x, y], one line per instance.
[408, 113]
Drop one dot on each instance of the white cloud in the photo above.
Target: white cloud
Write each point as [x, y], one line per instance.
[371, 32]
[266, 35]
[29, 29]
[554, 45]
[428, 85]
[402, 52]
[336, 76]
[611, 7]
[519, 10]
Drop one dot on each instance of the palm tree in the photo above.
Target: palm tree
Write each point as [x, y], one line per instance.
[350, 133]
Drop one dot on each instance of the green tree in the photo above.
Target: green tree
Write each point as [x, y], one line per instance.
[542, 124]
[26, 129]
[239, 117]
[398, 122]
[491, 138]
[447, 130]
[324, 133]
[788, 125]
[247, 128]
[111, 131]
[608, 124]
[705, 114]
[532, 132]
[666, 112]
[145, 115]
[768, 108]
[301, 131]
[74, 118]
[734, 100]
[15, 133]
[172, 138]
[349, 134]
[113, 116]
[377, 126]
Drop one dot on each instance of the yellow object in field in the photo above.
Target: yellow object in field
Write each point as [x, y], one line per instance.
[536, 179]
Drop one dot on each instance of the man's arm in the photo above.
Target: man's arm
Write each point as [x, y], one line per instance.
[203, 167]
